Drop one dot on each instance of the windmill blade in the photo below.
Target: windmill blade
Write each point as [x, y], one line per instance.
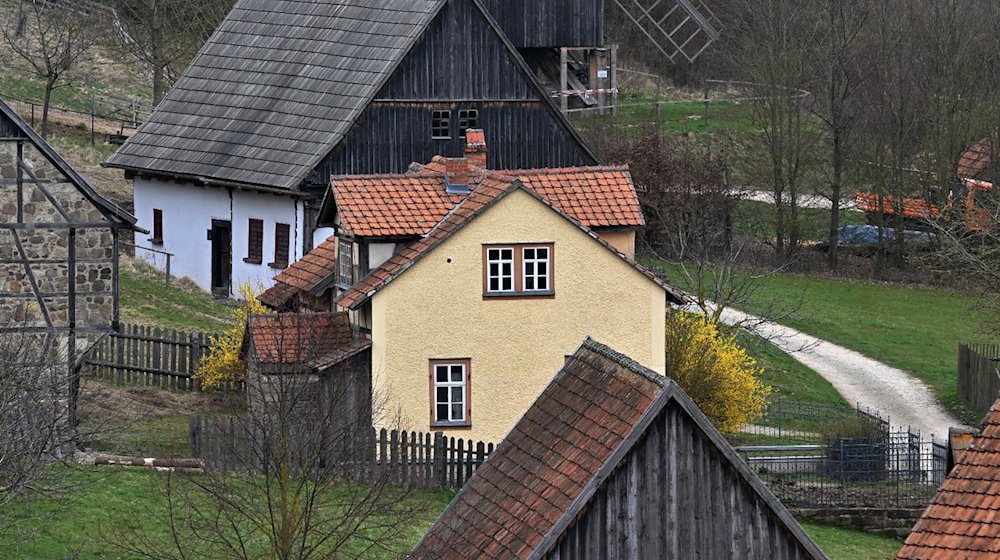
[676, 28]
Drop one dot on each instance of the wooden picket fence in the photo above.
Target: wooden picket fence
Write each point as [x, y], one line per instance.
[414, 458]
[142, 355]
[979, 374]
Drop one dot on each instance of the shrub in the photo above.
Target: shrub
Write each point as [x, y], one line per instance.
[718, 375]
[222, 364]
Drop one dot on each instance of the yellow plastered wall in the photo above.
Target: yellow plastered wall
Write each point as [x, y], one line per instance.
[436, 310]
[621, 239]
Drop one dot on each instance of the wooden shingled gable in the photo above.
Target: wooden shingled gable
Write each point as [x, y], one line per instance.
[614, 461]
[283, 87]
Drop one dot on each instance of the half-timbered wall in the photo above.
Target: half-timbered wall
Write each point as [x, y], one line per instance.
[550, 23]
[460, 63]
[675, 496]
[57, 250]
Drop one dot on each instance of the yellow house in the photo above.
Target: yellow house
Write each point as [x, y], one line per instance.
[469, 323]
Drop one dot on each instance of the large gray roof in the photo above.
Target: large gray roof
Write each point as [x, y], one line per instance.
[257, 107]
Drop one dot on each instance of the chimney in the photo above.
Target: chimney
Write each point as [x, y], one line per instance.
[457, 174]
[475, 147]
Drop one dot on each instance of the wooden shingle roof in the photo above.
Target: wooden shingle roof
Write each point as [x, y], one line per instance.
[963, 521]
[275, 88]
[577, 436]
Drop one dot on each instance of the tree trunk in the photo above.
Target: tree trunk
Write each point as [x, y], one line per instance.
[49, 86]
[838, 163]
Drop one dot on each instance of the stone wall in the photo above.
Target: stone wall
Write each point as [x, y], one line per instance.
[94, 250]
[891, 522]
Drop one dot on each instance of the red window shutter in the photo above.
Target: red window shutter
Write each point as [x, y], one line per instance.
[281, 244]
[255, 243]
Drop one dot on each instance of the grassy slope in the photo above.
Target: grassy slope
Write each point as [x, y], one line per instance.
[912, 328]
[757, 218]
[104, 503]
[845, 544]
[147, 300]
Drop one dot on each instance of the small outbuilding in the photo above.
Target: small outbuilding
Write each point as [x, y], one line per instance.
[614, 460]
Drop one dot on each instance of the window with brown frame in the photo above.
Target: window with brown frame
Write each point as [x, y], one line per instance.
[157, 227]
[281, 237]
[255, 241]
[520, 270]
[450, 392]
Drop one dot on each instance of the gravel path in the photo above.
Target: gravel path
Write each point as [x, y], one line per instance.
[858, 378]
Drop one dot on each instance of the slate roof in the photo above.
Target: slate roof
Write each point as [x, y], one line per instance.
[963, 521]
[16, 127]
[275, 89]
[545, 470]
[490, 190]
[315, 339]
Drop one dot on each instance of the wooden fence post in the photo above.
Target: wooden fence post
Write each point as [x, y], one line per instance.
[440, 461]
[194, 435]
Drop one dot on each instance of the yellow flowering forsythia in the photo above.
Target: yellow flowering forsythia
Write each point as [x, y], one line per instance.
[222, 363]
[721, 378]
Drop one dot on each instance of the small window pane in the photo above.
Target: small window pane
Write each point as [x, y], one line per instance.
[442, 412]
[441, 373]
[456, 373]
[457, 412]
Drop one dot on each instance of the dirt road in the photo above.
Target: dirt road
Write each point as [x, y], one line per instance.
[859, 379]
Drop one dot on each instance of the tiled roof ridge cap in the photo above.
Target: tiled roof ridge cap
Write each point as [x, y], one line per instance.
[625, 361]
[573, 169]
[421, 174]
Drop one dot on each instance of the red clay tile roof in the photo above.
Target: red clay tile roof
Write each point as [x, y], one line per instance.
[963, 521]
[544, 463]
[310, 272]
[545, 473]
[977, 158]
[391, 205]
[317, 339]
[490, 190]
[916, 208]
[277, 295]
[410, 204]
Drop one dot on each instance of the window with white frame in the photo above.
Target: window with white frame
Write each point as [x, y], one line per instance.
[450, 392]
[500, 269]
[535, 269]
[518, 270]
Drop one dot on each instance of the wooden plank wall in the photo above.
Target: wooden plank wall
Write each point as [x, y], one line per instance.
[143, 355]
[675, 496]
[978, 374]
[550, 23]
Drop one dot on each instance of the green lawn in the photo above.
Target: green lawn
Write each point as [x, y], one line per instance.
[675, 116]
[846, 544]
[147, 300]
[913, 328]
[102, 504]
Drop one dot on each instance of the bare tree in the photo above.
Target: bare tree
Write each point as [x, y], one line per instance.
[771, 50]
[34, 413]
[51, 38]
[299, 480]
[164, 35]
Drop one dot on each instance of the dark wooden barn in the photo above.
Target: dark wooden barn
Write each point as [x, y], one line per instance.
[58, 253]
[614, 461]
[353, 87]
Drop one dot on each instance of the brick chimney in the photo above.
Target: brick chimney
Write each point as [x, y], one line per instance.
[457, 175]
[475, 147]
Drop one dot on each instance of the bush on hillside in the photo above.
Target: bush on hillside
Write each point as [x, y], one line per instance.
[718, 374]
[222, 364]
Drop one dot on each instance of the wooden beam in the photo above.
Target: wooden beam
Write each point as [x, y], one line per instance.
[31, 278]
[57, 261]
[56, 225]
[25, 295]
[20, 183]
[563, 78]
[41, 186]
[115, 288]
